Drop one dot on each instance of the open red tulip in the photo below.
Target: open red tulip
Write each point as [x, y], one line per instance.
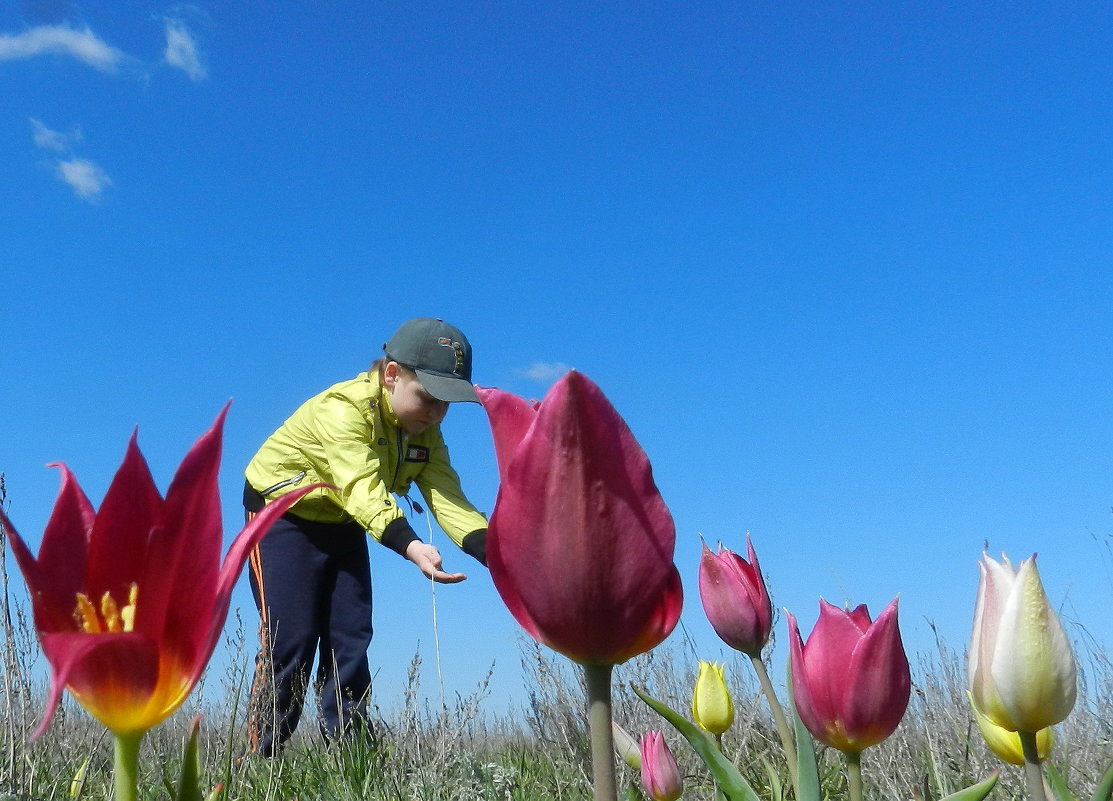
[129, 601]
[851, 680]
[580, 543]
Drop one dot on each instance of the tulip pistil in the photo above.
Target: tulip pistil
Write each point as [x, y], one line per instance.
[111, 617]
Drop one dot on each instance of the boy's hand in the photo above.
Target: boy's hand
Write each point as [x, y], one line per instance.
[428, 561]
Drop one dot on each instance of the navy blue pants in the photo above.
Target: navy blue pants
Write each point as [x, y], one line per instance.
[312, 586]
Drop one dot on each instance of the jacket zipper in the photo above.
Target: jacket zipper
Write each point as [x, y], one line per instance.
[399, 442]
[281, 484]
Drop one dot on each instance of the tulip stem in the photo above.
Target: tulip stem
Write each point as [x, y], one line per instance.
[787, 742]
[127, 766]
[602, 738]
[854, 774]
[1033, 774]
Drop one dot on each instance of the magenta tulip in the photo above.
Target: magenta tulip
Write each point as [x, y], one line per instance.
[129, 601]
[735, 599]
[660, 773]
[580, 543]
[851, 680]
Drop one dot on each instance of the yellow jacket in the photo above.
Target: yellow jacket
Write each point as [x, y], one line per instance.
[349, 437]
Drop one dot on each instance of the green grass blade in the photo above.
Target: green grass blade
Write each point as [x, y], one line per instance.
[1057, 783]
[732, 784]
[975, 792]
[189, 783]
[1105, 787]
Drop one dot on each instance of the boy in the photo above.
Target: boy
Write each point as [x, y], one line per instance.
[367, 440]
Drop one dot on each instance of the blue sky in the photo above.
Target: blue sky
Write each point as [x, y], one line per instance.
[845, 268]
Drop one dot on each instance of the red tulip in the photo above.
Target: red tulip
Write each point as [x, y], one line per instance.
[735, 599]
[660, 773]
[580, 543]
[129, 601]
[851, 680]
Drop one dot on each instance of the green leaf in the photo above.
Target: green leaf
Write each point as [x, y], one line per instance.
[1057, 783]
[807, 768]
[189, 784]
[732, 784]
[776, 787]
[1104, 790]
[975, 792]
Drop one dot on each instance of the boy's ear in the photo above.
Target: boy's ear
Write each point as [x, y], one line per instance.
[390, 374]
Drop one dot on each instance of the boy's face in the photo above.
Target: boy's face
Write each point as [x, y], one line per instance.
[415, 408]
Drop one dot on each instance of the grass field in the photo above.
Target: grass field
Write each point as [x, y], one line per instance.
[461, 750]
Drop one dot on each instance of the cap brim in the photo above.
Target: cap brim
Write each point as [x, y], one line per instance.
[450, 390]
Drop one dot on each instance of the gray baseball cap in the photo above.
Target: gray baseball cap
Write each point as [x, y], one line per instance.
[440, 355]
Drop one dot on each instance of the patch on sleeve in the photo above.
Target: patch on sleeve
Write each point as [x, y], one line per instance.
[416, 453]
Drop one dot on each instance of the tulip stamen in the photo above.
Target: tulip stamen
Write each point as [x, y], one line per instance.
[111, 617]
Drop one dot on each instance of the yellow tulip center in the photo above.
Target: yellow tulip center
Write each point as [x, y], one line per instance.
[109, 616]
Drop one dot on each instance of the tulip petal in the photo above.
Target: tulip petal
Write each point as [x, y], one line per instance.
[191, 540]
[511, 417]
[828, 656]
[112, 675]
[802, 695]
[131, 509]
[995, 584]
[1033, 668]
[61, 563]
[879, 663]
[1006, 744]
[801, 691]
[234, 560]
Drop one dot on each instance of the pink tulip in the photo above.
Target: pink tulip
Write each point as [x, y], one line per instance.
[735, 599]
[580, 544]
[660, 773]
[130, 601]
[851, 680]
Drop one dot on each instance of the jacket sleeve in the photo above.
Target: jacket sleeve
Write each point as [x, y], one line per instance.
[440, 486]
[354, 467]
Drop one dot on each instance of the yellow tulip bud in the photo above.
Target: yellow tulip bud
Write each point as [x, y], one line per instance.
[712, 707]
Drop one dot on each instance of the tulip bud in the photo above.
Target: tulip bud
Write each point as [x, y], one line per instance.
[581, 542]
[626, 746]
[660, 773]
[851, 680]
[1006, 744]
[1021, 669]
[735, 599]
[712, 707]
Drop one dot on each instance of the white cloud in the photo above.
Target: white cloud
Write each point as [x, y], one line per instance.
[546, 372]
[53, 140]
[63, 40]
[181, 50]
[85, 177]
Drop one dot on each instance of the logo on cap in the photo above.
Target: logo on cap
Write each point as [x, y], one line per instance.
[457, 348]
